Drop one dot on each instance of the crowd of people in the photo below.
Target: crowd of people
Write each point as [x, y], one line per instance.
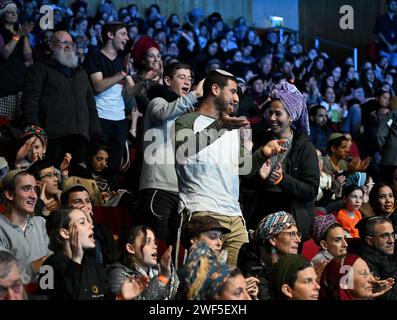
[230, 151]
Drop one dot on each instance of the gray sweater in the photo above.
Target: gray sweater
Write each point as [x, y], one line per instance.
[158, 170]
[26, 246]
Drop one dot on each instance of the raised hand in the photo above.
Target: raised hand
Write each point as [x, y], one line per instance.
[230, 123]
[132, 287]
[26, 148]
[252, 287]
[265, 170]
[165, 263]
[380, 287]
[65, 163]
[274, 147]
[75, 244]
[199, 89]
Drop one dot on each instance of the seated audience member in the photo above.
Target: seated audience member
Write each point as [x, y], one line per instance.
[275, 236]
[351, 279]
[47, 177]
[22, 233]
[34, 147]
[350, 214]
[210, 231]
[203, 277]
[319, 129]
[377, 249]
[97, 167]
[325, 194]
[11, 285]
[76, 196]
[383, 201]
[294, 278]
[76, 276]
[138, 255]
[330, 236]
[204, 228]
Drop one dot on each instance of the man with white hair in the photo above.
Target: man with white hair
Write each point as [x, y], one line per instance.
[57, 97]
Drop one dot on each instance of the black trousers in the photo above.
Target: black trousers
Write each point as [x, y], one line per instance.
[159, 211]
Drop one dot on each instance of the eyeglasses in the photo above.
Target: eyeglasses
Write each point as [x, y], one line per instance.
[365, 274]
[17, 287]
[293, 234]
[65, 43]
[49, 175]
[184, 77]
[386, 235]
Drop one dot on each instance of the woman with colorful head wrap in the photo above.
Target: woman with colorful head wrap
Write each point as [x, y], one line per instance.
[293, 177]
[204, 277]
[275, 236]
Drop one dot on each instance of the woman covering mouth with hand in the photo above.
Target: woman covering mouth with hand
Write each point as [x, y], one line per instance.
[76, 276]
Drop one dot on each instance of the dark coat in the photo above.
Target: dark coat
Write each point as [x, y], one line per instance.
[387, 139]
[59, 100]
[253, 261]
[299, 185]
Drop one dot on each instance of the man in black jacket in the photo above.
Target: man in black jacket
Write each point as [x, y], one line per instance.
[377, 248]
[57, 97]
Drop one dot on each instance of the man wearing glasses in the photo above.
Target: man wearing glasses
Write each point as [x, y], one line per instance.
[377, 248]
[57, 97]
[48, 180]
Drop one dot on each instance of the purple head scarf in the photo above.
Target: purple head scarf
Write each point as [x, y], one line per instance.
[293, 102]
[320, 226]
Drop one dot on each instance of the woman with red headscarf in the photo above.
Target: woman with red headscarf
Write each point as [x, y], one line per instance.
[351, 279]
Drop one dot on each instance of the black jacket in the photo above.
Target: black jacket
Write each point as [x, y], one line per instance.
[60, 100]
[299, 185]
[73, 281]
[253, 261]
[381, 265]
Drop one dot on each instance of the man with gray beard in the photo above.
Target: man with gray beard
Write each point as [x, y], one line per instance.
[57, 97]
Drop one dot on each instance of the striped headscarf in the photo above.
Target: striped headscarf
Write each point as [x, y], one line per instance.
[273, 224]
[293, 102]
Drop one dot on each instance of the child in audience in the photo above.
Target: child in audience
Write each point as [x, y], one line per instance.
[348, 217]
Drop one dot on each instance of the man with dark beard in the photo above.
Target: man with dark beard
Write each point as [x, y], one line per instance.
[57, 97]
[207, 159]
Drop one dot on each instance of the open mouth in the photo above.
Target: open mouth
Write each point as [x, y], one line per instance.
[154, 255]
[31, 203]
[185, 90]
